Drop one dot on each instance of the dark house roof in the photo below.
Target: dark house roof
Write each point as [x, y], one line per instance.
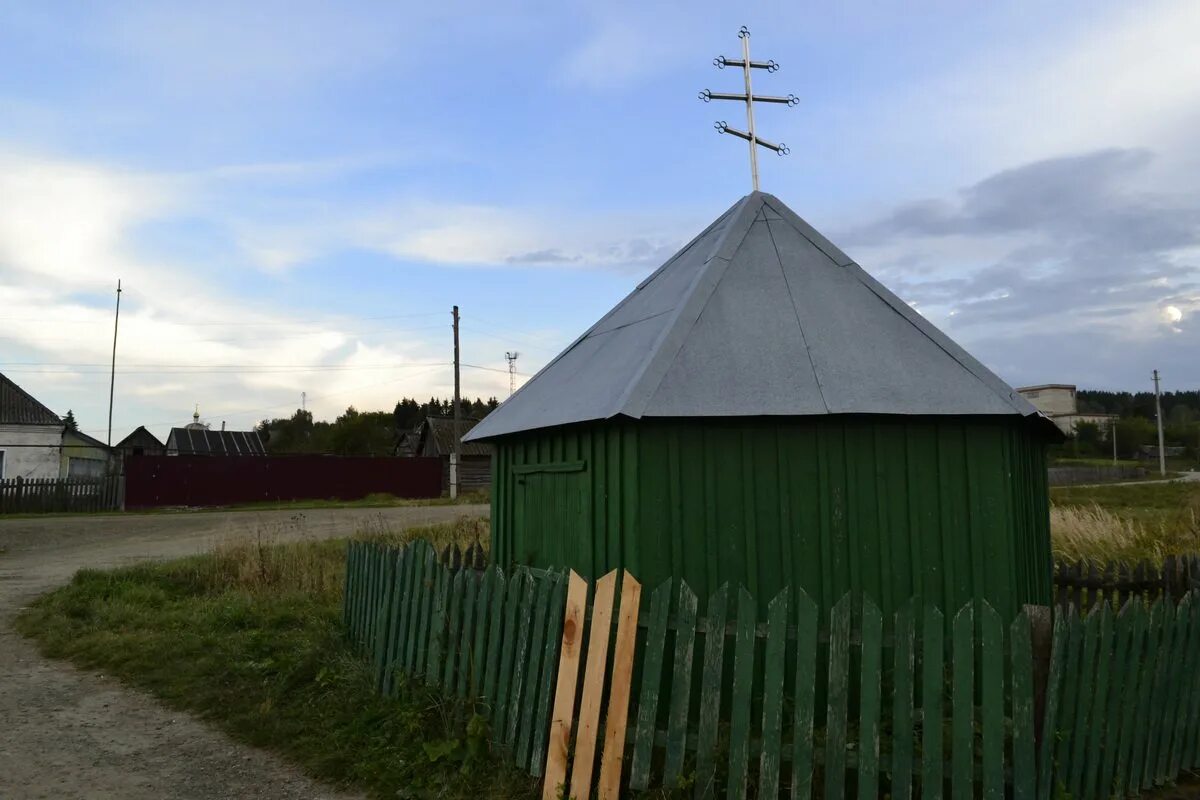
[436, 438]
[760, 315]
[140, 438]
[200, 442]
[18, 407]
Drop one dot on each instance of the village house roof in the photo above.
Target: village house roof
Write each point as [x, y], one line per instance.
[200, 442]
[140, 437]
[759, 315]
[18, 407]
[436, 438]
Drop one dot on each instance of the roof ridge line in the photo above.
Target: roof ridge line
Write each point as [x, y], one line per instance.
[575, 343]
[796, 312]
[633, 401]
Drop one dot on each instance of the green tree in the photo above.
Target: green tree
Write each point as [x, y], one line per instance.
[69, 421]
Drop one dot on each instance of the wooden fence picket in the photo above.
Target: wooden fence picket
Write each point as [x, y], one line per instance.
[1119, 713]
[652, 663]
[681, 685]
[774, 668]
[593, 687]
[554, 783]
[710, 693]
[613, 757]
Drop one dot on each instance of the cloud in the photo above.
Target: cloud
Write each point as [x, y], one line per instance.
[1048, 255]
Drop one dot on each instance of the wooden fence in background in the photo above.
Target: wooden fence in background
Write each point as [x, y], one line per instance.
[1085, 584]
[52, 495]
[849, 706]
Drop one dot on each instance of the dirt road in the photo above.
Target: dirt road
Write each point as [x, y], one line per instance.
[65, 733]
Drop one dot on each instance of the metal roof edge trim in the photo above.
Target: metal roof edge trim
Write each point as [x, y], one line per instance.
[968, 362]
[827, 247]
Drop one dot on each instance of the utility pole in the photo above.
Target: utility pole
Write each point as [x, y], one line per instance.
[112, 378]
[749, 98]
[511, 356]
[1162, 454]
[457, 427]
[1112, 433]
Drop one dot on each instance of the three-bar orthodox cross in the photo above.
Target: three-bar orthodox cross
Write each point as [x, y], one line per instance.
[749, 98]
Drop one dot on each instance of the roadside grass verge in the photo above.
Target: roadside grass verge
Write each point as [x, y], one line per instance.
[249, 638]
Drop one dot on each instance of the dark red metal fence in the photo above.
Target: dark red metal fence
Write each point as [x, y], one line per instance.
[228, 480]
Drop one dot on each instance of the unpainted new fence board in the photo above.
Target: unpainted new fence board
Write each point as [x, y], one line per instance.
[991, 684]
[710, 693]
[962, 748]
[774, 668]
[593, 687]
[613, 757]
[652, 663]
[838, 701]
[743, 683]
[1024, 763]
[869, 700]
[903, 665]
[554, 784]
[681, 685]
[932, 676]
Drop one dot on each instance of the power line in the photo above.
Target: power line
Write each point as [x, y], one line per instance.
[230, 323]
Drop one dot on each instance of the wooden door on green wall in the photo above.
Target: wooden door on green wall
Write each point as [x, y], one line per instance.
[553, 515]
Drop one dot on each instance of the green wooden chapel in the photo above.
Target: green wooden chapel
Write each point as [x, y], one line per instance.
[761, 411]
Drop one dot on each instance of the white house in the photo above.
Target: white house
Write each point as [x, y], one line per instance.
[31, 435]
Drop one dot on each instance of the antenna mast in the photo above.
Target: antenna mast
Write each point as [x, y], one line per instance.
[512, 371]
[749, 98]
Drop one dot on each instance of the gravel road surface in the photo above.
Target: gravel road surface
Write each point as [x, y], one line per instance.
[66, 733]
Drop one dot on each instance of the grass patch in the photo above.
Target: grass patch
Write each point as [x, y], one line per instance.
[1126, 523]
[249, 638]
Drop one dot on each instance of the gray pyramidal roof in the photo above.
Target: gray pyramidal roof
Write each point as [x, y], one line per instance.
[759, 315]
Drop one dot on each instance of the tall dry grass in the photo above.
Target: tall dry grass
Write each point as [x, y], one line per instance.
[265, 563]
[1093, 533]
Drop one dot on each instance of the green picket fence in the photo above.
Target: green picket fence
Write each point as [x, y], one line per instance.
[797, 706]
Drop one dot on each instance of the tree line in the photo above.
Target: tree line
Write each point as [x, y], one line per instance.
[1136, 427]
[361, 433]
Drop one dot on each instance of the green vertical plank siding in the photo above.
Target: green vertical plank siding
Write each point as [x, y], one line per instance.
[951, 508]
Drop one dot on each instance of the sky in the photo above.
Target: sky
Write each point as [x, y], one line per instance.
[293, 195]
